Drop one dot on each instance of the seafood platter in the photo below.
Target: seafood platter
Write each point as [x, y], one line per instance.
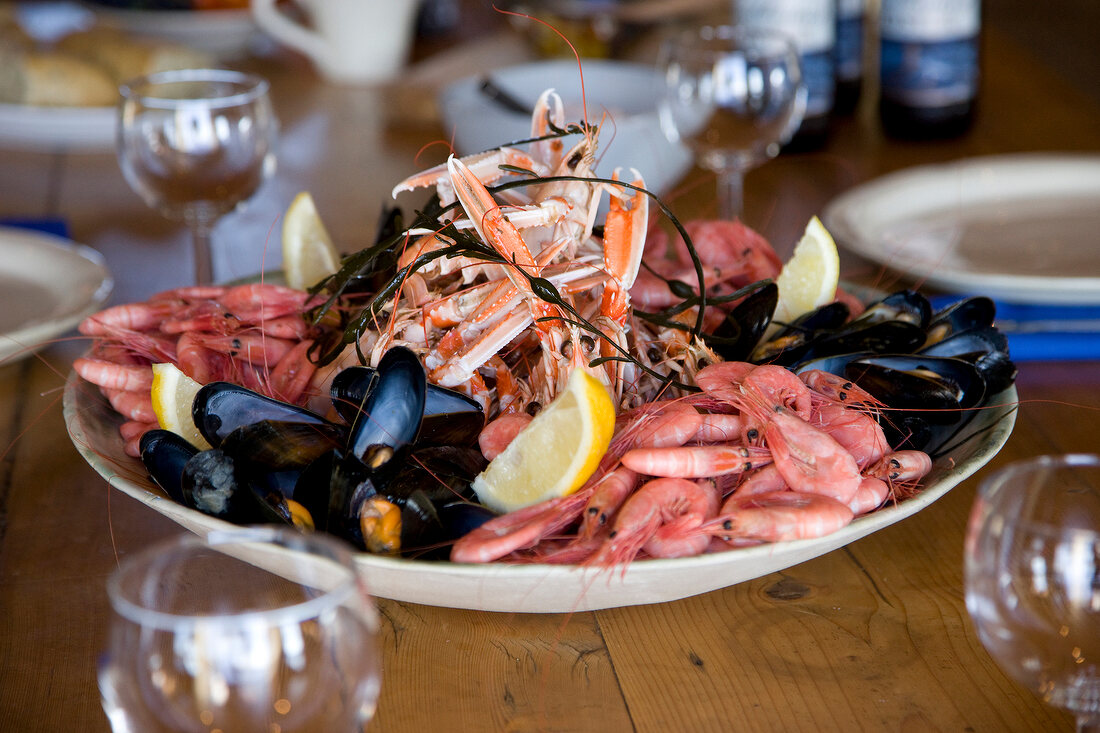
[712, 432]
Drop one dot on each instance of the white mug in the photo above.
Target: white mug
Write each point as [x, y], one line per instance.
[351, 41]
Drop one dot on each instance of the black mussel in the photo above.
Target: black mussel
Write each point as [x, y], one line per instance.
[744, 325]
[964, 315]
[392, 412]
[274, 445]
[220, 408]
[349, 485]
[462, 517]
[164, 454]
[880, 337]
[986, 348]
[796, 339]
[450, 417]
[937, 386]
[213, 485]
[997, 369]
[834, 363]
[443, 472]
[905, 305]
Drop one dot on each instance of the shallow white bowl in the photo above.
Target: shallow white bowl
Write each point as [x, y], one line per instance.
[620, 98]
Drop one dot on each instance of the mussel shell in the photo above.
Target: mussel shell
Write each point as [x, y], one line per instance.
[904, 305]
[792, 343]
[834, 363]
[444, 473]
[985, 339]
[450, 417]
[213, 485]
[392, 411]
[937, 386]
[220, 408]
[744, 325]
[969, 313]
[880, 337]
[275, 445]
[164, 454]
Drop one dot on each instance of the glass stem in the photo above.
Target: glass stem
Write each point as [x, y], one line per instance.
[204, 266]
[730, 193]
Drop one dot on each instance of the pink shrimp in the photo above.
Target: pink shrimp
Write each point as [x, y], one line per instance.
[131, 404]
[902, 471]
[838, 389]
[770, 387]
[190, 293]
[870, 495]
[253, 347]
[127, 316]
[858, 432]
[722, 380]
[257, 302]
[200, 363]
[658, 424]
[778, 516]
[696, 461]
[718, 428]
[518, 530]
[685, 504]
[501, 431]
[762, 481]
[112, 375]
[607, 497]
[292, 373]
[809, 459]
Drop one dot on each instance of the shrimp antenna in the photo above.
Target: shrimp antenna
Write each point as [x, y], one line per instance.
[577, 56]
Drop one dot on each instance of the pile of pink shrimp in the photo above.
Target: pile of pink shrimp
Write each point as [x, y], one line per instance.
[254, 335]
[760, 455]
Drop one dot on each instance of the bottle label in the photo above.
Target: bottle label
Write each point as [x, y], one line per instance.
[811, 23]
[929, 21]
[849, 43]
[812, 26]
[929, 74]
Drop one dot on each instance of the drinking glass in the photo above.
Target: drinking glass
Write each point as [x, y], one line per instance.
[194, 144]
[1033, 578]
[734, 95]
[249, 629]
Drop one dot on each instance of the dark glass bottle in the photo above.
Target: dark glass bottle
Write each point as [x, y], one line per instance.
[849, 54]
[929, 65]
[812, 26]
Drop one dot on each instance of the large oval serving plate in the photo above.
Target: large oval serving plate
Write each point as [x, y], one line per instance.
[93, 427]
[1019, 228]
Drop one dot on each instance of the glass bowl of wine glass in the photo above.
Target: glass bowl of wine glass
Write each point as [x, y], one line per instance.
[1032, 565]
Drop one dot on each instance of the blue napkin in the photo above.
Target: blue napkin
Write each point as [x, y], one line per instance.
[57, 227]
[1045, 332]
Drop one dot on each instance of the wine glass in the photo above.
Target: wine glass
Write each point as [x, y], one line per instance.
[734, 95]
[246, 629]
[1033, 578]
[194, 144]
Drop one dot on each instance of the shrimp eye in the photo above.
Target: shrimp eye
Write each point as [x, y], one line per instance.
[533, 408]
[728, 524]
[612, 535]
[842, 396]
[575, 160]
[588, 343]
[752, 434]
[895, 463]
[593, 511]
[603, 519]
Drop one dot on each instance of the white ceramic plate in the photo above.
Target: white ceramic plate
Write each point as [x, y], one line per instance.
[93, 427]
[227, 34]
[1018, 228]
[56, 129]
[630, 135]
[47, 286]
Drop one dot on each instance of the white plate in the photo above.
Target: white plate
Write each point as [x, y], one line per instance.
[47, 286]
[93, 427]
[52, 129]
[630, 135]
[227, 34]
[1018, 228]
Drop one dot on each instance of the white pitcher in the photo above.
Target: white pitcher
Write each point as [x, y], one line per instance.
[350, 41]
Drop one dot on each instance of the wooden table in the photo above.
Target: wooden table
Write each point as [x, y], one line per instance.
[873, 636]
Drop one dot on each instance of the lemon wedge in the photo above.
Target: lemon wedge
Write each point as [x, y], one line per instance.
[173, 393]
[556, 453]
[308, 252]
[809, 278]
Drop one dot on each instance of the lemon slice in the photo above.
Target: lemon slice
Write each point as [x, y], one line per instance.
[809, 278]
[556, 453]
[308, 252]
[172, 393]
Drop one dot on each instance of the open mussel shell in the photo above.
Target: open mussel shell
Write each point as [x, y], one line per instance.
[220, 408]
[443, 472]
[937, 386]
[967, 314]
[796, 339]
[904, 305]
[986, 348]
[880, 337]
[164, 454]
[744, 325]
[449, 418]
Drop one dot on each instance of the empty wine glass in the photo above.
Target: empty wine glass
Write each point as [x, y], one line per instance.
[734, 95]
[1033, 578]
[194, 144]
[247, 629]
